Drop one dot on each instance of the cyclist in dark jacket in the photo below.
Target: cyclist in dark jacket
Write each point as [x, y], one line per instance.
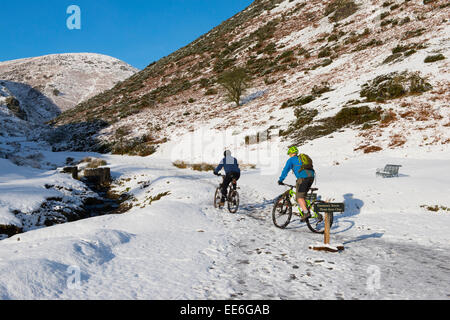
[232, 171]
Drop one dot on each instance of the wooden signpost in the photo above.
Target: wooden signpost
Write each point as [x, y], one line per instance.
[328, 209]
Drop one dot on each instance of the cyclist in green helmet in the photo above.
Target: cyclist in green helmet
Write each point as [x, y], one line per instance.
[305, 179]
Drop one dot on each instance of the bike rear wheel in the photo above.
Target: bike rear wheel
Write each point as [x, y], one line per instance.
[282, 212]
[233, 201]
[317, 221]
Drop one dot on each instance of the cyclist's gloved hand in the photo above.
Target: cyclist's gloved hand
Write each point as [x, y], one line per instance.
[280, 183]
[215, 173]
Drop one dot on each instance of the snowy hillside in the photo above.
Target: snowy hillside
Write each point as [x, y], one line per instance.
[59, 82]
[36, 90]
[309, 60]
[12, 118]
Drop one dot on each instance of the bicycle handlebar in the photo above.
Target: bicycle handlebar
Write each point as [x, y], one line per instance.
[288, 185]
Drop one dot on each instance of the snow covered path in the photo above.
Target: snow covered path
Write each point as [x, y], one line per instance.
[180, 247]
[268, 263]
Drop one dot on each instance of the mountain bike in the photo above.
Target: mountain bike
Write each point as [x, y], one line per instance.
[282, 211]
[232, 198]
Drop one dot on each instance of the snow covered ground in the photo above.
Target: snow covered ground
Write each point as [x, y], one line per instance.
[180, 247]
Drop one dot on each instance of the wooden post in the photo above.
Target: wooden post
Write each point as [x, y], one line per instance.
[327, 246]
[327, 228]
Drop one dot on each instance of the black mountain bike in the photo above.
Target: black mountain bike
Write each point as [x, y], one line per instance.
[232, 198]
[282, 211]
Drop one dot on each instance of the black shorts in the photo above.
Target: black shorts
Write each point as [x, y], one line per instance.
[303, 186]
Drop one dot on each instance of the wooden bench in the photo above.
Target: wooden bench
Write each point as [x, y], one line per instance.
[389, 171]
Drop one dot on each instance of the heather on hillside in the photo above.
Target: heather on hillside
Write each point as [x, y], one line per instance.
[292, 54]
[340, 9]
[394, 85]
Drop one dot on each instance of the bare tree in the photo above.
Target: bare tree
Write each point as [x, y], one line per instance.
[235, 82]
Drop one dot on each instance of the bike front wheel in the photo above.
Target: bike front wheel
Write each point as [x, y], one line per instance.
[282, 212]
[317, 221]
[218, 198]
[233, 201]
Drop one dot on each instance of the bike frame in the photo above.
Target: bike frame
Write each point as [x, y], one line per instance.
[230, 186]
[309, 203]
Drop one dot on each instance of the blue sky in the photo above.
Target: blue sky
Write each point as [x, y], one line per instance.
[135, 31]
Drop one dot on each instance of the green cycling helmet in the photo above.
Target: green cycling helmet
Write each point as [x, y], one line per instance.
[293, 150]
